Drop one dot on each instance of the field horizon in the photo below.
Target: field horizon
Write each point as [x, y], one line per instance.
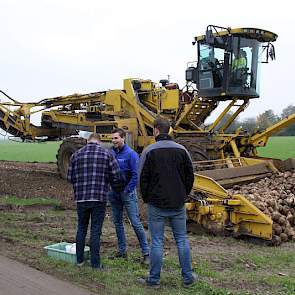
[278, 147]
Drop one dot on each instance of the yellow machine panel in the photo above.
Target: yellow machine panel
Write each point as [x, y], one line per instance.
[170, 100]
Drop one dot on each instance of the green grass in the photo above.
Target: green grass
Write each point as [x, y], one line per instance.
[240, 268]
[275, 258]
[272, 268]
[279, 147]
[28, 152]
[121, 278]
[29, 232]
[28, 202]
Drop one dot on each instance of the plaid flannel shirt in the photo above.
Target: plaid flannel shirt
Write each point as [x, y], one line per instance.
[91, 171]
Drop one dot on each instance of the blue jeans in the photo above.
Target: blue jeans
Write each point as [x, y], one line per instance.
[156, 222]
[95, 211]
[129, 201]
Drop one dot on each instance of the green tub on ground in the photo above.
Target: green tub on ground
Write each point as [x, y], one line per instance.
[58, 251]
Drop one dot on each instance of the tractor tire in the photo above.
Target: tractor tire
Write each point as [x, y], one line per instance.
[196, 151]
[66, 149]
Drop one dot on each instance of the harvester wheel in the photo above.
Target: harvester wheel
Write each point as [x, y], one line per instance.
[66, 149]
[196, 151]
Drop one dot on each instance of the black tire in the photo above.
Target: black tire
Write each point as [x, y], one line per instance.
[66, 149]
[196, 151]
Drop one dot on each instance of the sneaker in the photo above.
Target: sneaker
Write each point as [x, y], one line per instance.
[80, 264]
[190, 283]
[118, 255]
[145, 282]
[146, 259]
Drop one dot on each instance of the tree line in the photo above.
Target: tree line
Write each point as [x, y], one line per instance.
[262, 121]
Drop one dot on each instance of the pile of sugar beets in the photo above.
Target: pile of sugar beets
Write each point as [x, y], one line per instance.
[275, 196]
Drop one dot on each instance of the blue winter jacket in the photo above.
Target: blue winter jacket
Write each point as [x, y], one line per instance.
[128, 162]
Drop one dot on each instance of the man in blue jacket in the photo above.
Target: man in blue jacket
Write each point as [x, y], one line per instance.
[128, 163]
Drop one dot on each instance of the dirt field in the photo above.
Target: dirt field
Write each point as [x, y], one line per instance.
[29, 180]
[226, 256]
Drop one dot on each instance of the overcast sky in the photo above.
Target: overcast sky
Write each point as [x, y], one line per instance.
[59, 47]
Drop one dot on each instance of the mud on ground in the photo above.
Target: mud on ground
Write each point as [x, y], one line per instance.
[34, 180]
[29, 180]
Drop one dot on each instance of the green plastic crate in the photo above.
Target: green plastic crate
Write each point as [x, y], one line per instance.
[58, 251]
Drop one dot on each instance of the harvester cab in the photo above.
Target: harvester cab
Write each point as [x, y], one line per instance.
[229, 62]
[228, 70]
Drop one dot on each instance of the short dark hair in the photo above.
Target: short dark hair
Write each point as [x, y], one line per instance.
[121, 132]
[162, 124]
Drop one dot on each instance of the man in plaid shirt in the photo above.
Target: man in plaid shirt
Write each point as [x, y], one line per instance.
[91, 171]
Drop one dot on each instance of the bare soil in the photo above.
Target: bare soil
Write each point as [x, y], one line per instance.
[29, 180]
[34, 180]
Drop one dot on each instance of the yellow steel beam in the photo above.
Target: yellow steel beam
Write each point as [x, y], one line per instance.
[234, 115]
[224, 112]
[187, 110]
[260, 139]
[235, 148]
[131, 100]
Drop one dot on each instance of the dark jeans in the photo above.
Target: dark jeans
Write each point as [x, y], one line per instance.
[177, 219]
[129, 201]
[95, 211]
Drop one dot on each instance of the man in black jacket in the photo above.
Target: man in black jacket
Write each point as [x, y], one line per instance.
[166, 178]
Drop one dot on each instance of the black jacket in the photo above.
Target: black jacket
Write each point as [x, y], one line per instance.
[165, 173]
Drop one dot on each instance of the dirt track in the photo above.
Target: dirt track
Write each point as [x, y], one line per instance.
[17, 278]
[29, 180]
